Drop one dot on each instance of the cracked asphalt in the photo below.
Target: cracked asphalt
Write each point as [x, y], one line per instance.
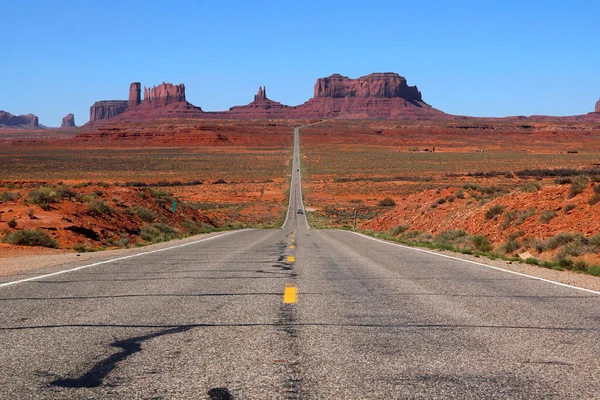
[371, 321]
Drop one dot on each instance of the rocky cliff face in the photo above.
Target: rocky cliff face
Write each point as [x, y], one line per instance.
[598, 106]
[107, 109]
[68, 121]
[379, 85]
[163, 94]
[135, 94]
[18, 121]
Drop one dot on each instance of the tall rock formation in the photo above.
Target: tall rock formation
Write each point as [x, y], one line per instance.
[106, 109]
[135, 94]
[163, 94]
[262, 93]
[18, 121]
[598, 106]
[68, 121]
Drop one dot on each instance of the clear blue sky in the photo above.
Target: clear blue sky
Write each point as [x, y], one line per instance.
[479, 58]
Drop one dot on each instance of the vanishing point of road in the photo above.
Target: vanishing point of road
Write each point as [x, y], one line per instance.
[294, 313]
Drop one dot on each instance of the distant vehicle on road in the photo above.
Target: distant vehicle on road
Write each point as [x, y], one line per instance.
[300, 211]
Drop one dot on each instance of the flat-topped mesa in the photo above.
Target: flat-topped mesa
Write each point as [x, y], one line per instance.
[598, 106]
[68, 121]
[19, 121]
[135, 94]
[163, 94]
[262, 93]
[106, 109]
[378, 85]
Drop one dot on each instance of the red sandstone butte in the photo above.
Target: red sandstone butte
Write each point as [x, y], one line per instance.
[28, 121]
[598, 106]
[68, 121]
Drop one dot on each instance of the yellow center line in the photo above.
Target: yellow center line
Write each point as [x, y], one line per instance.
[291, 258]
[292, 247]
[290, 296]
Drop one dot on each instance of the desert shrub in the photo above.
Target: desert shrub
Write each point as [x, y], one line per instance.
[594, 270]
[493, 211]
[191, 227]
[12, 223]
[577, 247]
[562, 180]
[9, 196]
[103, 184]
[547, 216]
[161, 197]
[143, 213]
[99, 207]
[565, 262]
[460, 194]
[481, 243]
[578, 185]
[395, 231]
[594, 199]
[441, 200]
[509, 217]
[511, 245]
[387, 202]
[568, 207]
[65, 192]
[43, 195]
[220, 182]
[450, 236]
[84, 248]
[523, 215]
[30, 237]
[561, 239]
[580, 265]
[532, 261]
[450, 199]
[355, 201]
[531, 187]
[597, 189]
[158, 232]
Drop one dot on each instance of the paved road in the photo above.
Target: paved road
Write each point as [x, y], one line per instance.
[372, 320]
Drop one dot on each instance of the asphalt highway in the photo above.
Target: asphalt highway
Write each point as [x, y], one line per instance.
[294, 313]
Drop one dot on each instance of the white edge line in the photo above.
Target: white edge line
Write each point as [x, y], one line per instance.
[117, 259]
[475, 262]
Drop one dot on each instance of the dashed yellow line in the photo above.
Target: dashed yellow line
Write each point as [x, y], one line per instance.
[292, 247]
[290, 296]
[291, 258]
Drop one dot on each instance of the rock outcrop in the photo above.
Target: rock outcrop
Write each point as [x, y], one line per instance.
[598, 106]
[135, 94]
[106, 109]
[18, 121]
[262, 93]
[68, 121]
[378, 95]
[163, 94]
[261, 108]
[381, 85]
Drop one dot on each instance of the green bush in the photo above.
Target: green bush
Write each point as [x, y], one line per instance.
[9, 196]
[594, 199]
[481, 243]
[531, 187]
[561, 239]
[450, 236]
[441, 200]
[532, 261]
[594, 270]
[562, 180]
[493, 211]
[568, 207]
[395, 231]
[511, 245]
[64, 192]
[143, 213]
[580, 265]
[43, 195]
[99, 207]
[12, 223]
[191, 227]
[578, 185]
[158, 232]
[84, 248]
[30, 237]
[597, 189]
[460, 194]
[547, 216]
[565, 262]
[387, 202]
